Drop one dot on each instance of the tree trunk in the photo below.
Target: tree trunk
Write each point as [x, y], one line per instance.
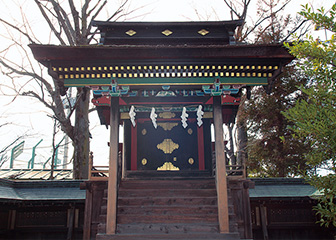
[231, 152]
[81, 135]
[242, 143]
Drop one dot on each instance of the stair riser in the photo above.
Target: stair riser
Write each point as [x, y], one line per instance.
[167, 185]
[167, 210]
[208, 201]
[168, 193]
[167, 228]
[164, 210]
[126, 219]
[169, 237]
[195, 219]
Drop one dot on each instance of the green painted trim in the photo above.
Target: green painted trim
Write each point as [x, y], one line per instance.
[80, 82]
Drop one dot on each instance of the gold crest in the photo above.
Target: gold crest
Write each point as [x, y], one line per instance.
[167, 115]
[168, 166]
[167, 146]
[167, 126]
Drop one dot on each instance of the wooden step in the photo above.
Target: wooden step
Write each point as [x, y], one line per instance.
[194, 236]
[205, 201]
[166, 228]
[175, 228]
[136, 193]
[167, 209]
[168, 184]
[125, 219]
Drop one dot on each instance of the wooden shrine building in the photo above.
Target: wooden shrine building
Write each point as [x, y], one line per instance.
[166, 83]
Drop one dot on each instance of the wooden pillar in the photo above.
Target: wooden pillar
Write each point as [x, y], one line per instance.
[221, 180]
[111, 217]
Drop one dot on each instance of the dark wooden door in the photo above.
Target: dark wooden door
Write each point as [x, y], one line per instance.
[168, 147]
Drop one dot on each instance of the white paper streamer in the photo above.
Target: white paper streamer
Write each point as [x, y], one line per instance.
[132, 115]
[153, 116]
[184, 117]
[199, 115]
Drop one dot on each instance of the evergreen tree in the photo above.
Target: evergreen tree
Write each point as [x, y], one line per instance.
[273, 150]
[315, 117]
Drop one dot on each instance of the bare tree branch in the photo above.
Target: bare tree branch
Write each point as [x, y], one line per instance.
[64, 21]
[51, 25]
[294, 30]
[263, 19]
[17, 29]
[75, 16]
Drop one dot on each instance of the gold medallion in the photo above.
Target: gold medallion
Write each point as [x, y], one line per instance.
[167, 115]
[168, 166]
[167, 126]
[167, 146]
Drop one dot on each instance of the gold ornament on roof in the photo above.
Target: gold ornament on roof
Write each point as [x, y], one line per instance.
[203, 32]
[131, 32]
[167, 32]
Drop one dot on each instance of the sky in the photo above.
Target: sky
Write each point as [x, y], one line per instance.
[30, 118]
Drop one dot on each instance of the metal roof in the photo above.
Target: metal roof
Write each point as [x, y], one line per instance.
[69, 190]
[41, 190]
[282, 188]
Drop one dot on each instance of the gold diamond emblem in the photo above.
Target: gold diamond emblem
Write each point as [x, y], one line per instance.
[167, 146]
[167, 115]
[131, 32]
[168, 166]
[203, 32]
[167, 32]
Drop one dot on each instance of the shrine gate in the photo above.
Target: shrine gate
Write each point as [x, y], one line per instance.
[166, 83]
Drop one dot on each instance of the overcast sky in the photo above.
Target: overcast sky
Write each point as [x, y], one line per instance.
[28, 116]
